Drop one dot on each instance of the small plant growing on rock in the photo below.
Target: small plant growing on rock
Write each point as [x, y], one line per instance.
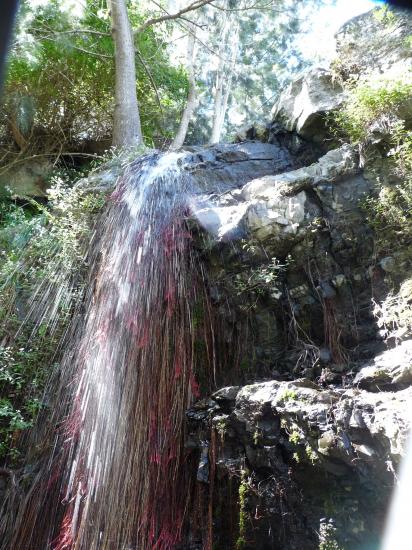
[295, 438]
[243, 490]
[327, 536]
[256, 437]
[221, 428]
[289, 395]
[385, 16]
[311, 455]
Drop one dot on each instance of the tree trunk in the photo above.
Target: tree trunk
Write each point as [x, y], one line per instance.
[229, 45]
[228, 86]
[191, 97]
[126, 120]
[217, 111]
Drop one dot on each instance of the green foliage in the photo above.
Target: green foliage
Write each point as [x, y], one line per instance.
[370, 101]
[376, 104]
[310, 454]
[23, 374]
[243, 491]
[294, 438]
[43, 248]
[327, 537]
[289, 395]
[385, 16]
[59, 91]
[262, 279]
[390, 214]
[394, 314]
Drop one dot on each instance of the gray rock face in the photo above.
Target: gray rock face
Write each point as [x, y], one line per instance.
[27, 179]
[373, 42]
[305, 102]
[332, 439]
[215, 169]
[369, 43]
[101, 181]
[224, 166]
[280, 208]
[390, 370]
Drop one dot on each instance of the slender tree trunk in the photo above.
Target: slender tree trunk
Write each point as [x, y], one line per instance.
[215, 135]
[229, 46]
[192, 98]
[126, 120]
[228, 84]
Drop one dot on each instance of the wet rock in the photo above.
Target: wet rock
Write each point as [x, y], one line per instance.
[388, 264]
[101, 181]
[222, 167]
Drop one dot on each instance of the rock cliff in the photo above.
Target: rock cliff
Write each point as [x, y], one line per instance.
[306, 453]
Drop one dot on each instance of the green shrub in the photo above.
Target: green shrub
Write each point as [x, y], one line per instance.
[371, 100]
[375, 104]
[43, 251]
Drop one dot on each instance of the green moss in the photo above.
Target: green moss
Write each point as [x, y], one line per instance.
[289, 395]
[243, 490]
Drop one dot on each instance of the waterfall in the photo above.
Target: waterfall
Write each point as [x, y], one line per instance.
[117, 474]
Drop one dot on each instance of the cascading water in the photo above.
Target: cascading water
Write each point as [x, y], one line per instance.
[118, 475]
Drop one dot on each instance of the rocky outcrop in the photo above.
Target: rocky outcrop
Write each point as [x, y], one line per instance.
[305, 102]
[214, 169]
[30, 178]
[374, 42]
[302, 442]
[281, 208]
[389, 370]
[323, 444]
[310, 453]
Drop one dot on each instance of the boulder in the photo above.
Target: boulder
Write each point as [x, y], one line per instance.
[369, 43]
[280, 208]
[390, 370]
[29, 179]
[229, 166]
[315, 451]
[303, 105]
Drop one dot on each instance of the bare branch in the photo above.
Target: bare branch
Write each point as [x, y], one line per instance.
[190, 31]
[96, 54]
[149, 74]
[256, 6]
[75, 31]
[170, 16]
